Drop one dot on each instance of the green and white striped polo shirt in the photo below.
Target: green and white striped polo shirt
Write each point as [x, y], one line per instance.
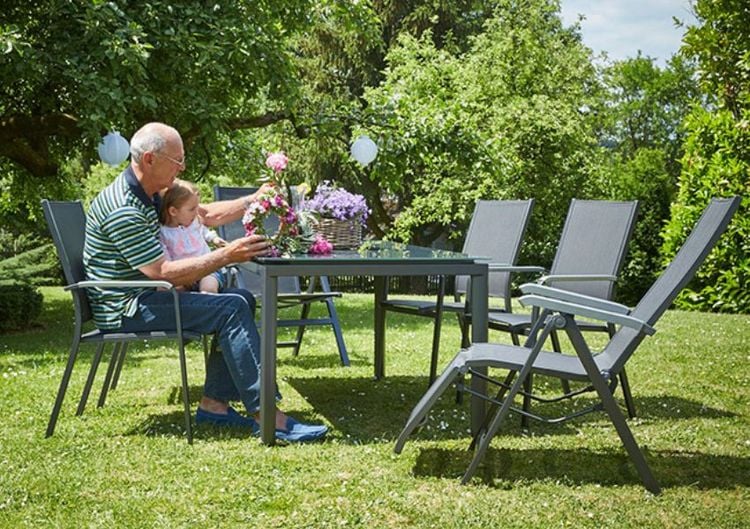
[122, 235]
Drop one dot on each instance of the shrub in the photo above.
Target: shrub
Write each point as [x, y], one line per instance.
[643, 178]
[38, 266]
[716, 164]
[20, 305]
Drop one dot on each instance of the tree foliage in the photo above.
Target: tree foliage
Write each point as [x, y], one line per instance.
[72, 70]
[642, 116]
[505, 119]
[717, 155]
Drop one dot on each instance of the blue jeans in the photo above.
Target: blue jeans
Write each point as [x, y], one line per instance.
[232, 369]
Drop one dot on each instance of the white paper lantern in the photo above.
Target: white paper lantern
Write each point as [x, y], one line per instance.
[364, 150]
[113, 149]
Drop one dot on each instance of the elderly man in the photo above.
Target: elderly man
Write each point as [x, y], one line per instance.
[122, 243]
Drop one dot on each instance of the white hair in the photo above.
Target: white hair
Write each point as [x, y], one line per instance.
[152, 137]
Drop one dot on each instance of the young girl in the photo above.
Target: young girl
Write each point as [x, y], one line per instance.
[182, 235]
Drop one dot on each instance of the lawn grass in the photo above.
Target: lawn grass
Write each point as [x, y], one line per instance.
[128, 465]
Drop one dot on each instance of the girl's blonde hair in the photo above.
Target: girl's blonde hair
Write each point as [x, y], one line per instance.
[176, 196]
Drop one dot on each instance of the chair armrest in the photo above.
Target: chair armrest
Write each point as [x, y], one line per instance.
[573, 297]
[566, 307]
[504, 267]
[576, 277]
[146, 283]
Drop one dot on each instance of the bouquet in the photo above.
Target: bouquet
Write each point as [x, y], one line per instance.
[294, 230]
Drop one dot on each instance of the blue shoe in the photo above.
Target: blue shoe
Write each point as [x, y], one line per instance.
[231, 418]
[297, 432]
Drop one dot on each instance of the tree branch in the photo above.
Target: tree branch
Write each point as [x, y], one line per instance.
[25, 140]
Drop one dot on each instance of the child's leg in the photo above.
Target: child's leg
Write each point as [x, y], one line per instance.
[209, 285]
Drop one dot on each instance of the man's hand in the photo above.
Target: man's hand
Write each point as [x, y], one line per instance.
[265, 188]
[246, 248]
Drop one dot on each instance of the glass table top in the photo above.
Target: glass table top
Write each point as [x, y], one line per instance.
[377, 251]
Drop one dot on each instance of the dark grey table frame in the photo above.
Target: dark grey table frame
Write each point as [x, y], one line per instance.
[354, 264]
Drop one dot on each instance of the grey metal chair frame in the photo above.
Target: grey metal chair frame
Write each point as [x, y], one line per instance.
[290, 291]
[496, 232]
[559, 309]
[66, 222]
[589, 256]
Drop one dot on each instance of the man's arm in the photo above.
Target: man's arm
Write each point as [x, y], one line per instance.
[224, 211]
[188, 271]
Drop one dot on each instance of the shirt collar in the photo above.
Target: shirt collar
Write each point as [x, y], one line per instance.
[137, 190]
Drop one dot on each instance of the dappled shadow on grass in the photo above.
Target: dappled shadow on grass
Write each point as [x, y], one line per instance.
[316, 361]
[668, 406]
[175, 394]
[501, 466]
[364, 410]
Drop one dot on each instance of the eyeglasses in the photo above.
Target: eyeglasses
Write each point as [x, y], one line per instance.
[181, 163]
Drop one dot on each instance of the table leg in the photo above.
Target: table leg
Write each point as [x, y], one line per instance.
[478, 334]
[268, 359]
[380, 294]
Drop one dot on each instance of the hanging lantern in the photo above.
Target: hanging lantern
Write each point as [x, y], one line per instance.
[364, 150]
[114, 149]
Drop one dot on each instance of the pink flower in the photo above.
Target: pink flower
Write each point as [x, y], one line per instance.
[277, 200]
[277, 161]
[249, 229]
[321, 246]
[266, 204]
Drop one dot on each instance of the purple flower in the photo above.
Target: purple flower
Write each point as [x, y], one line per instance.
[337, 203]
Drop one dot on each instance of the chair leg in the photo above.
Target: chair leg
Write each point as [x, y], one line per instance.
[463, 323]
[92, 375]
[301, 329]
[118, 369]
[185, 393]
[611, 407]
[337, 332]
[434, 357]
[63, 386]
[108, 376]
[485, 437]
[625, 384]
[557, 348]
[528, 386]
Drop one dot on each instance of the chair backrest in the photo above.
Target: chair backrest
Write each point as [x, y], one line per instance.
[496, 231]
[235, 230]
[67, 226]
[594, 240]
[676, 276]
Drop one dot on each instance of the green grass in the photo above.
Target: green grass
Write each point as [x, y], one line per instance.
[128, 465]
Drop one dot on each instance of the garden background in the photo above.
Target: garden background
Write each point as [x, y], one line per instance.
[466, 100]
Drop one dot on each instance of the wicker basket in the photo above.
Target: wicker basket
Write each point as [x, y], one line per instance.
[343, 234]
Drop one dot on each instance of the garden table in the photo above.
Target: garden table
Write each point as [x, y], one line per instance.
[374, 258]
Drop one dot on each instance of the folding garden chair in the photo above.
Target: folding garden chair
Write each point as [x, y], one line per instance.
[290, 291]
[67, 225]
[496, 232]
[558, 311]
